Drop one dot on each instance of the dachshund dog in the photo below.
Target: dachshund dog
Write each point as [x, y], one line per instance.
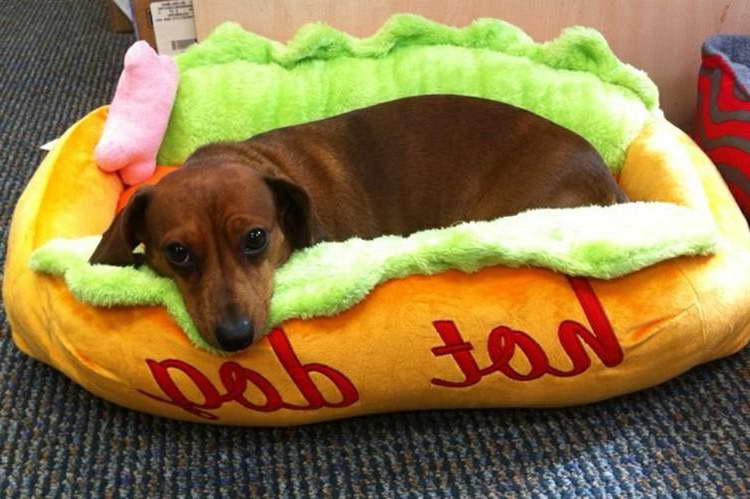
[222, 223]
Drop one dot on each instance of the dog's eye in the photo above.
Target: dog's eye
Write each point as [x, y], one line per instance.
[179, 255]
[255, 242]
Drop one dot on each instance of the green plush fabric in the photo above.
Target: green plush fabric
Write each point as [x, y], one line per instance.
[236, 84]
[331, 277]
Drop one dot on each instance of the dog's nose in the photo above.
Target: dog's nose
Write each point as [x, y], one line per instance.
[235, 334]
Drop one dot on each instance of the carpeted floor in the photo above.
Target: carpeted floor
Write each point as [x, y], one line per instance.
[689, 437]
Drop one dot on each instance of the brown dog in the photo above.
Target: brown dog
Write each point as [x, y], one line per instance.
[234, 212]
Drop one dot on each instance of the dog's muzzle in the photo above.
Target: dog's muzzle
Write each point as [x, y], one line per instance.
[235, 332]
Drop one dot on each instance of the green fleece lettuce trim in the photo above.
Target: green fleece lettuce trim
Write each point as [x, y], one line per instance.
[329, 278]
[237, 84]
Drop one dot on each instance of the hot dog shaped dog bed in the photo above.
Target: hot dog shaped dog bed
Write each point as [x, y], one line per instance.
[551, 308]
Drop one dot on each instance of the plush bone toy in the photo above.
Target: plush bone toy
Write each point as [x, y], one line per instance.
[138, 114]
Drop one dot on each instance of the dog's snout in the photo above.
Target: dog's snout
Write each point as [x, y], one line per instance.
[235, 333]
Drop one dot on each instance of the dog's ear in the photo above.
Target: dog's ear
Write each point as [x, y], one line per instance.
[295, 212]
[125, 233]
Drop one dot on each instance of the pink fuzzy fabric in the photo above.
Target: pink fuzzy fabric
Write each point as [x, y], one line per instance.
[138, 115]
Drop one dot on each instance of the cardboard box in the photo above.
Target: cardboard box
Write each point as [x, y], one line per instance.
[144, 26]
[167, 25]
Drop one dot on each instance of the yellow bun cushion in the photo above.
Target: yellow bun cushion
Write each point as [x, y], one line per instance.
[500, 337]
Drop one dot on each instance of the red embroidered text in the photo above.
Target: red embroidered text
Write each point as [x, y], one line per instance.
[503, 342]
[236, 378]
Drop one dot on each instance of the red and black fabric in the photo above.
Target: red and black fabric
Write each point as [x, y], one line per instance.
[722, 125]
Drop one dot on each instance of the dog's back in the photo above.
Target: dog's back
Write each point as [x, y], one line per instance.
[431, 161]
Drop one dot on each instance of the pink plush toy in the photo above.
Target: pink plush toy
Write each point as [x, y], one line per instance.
[138, 115]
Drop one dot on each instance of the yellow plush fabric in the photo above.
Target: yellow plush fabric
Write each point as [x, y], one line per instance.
[499, 337]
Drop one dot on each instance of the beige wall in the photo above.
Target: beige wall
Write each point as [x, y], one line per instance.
[663, 37]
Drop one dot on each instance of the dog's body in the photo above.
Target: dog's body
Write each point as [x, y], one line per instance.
[394, 168]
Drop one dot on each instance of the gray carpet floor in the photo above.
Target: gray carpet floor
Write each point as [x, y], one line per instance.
[689, 437]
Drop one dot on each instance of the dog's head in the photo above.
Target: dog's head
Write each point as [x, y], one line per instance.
[218, 226]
